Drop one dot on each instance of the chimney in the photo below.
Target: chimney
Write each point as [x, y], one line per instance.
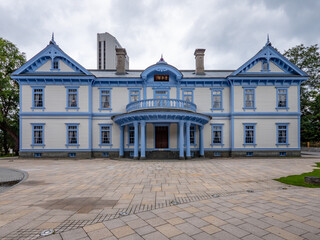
[199, 55]
[121, 60]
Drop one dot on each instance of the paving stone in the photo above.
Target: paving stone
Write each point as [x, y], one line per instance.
[223, 235]
[202, 236]
[74, 234]
[132, 237]
[234, 230]
[115, 223]
[283, 233]
[168, 230]
[154, 236]
[156, 221]
[182, 237]
[122, 231]
[99, 234]
[145, 230]
[188, 228]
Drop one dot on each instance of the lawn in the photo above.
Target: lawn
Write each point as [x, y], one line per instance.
[298, 180]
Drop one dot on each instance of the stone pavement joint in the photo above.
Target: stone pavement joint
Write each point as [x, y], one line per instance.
[83, 200]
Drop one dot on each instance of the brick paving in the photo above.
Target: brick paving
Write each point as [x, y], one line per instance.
[198, 199]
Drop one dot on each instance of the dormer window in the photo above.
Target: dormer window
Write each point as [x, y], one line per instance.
[161, 78]
[55, 65]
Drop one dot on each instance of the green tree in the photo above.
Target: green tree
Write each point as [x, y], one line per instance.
[10, 60]
[308, 59]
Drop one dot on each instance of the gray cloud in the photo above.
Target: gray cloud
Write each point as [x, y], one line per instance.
[231, 31]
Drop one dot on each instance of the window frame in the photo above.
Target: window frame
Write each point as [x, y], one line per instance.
[131, 94]
[132, 130]
[184, 90]
[286, 94]
[100, 98]
[42, 125]
[55, 61]
[77, 130]
[268, 66]
[77, 97]
[221, 98]
[212, 134]
[254, 98]
[101, 125]
[33, 95]
[287, 134]
[254, 134]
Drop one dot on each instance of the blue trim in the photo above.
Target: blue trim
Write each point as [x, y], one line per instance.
[154, 134]
[143, 139]
[299, 119]
[232, 115]
[68, 88]
[286, 94]
[42, 130]
[77, 131]
[188, 152]
[136, 139]
[121, 150]
[131, 94]
[110, 134]
[253, 98]
[161, 68]
[212, 134]
[90, 117]
[100, 98]
[43, 95]
[254, 134]
[184, 90]
[53, 61]
[287, 134]
[219, 95]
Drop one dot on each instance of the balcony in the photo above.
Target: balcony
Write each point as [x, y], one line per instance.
[161, 103]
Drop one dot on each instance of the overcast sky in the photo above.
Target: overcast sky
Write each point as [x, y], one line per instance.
[231, 31]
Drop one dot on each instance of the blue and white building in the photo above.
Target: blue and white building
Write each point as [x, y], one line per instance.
[160, 112]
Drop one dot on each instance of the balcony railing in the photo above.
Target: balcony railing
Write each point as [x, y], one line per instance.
[161, 103]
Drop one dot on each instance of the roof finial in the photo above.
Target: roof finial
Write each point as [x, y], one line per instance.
[52, 39]
[268, 40]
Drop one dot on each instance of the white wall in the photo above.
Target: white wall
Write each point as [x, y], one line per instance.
[266, 132]
[55, 133]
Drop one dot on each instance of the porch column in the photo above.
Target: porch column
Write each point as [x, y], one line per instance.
[201, 147]
[121, 152]
[188, 155]
[181, 154]
[136, 140]
[143, 140]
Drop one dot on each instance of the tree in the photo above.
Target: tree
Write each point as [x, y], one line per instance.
[10, 60]
[308, 59]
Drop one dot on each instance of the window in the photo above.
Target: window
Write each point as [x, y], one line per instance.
[134, 95]
[282, 133]
[72, 155]
[161, 78]
[37, 133]
[104, 54]
[72, 134]
[249, 134]
[99, 54]
[283, 154]
[217, 154]
[105, 154]
[217, 134]
[38, 97]
[187, 95]
[105, 99]
[131, 135]
[249, 154]
[105, 134]
[55, 65]
[37, 155]
[265, 66]
[192, 134]
[72, 97]
[282, 98]
[249, 98]
[216, 99]
[162, 95]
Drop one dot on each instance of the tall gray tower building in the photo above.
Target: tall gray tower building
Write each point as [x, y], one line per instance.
[106, 52]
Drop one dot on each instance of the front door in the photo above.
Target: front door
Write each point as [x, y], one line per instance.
[161, 136]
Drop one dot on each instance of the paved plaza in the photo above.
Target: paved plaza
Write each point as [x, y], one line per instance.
[196, 199]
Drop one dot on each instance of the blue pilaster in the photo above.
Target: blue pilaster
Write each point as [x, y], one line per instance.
[232, 117]
[121, 151]
[181, 153]
[144, 92]
[201, 145]
[143, 140]
[188, 154]
[136, 140]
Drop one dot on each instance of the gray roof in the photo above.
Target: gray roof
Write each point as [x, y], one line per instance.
[185, 73]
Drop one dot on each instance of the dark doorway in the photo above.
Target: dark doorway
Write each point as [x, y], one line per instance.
[161, 136]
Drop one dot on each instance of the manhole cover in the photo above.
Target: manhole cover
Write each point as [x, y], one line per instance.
[47, 232]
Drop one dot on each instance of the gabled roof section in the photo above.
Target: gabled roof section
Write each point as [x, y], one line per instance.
[42, 62]
[161, 67]
[274, 63]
